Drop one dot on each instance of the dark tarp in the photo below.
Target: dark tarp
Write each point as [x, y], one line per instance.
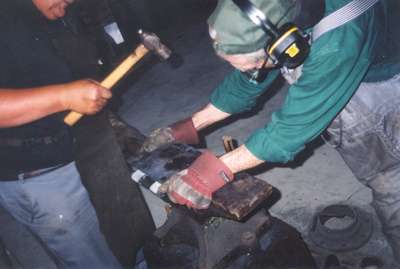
[123, 214]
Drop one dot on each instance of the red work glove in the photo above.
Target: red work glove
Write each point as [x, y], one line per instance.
[182, 131]
[194, 186]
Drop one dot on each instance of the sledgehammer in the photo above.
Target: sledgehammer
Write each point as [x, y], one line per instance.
[150, 42]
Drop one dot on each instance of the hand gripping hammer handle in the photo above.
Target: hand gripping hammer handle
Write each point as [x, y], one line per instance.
[113, 78]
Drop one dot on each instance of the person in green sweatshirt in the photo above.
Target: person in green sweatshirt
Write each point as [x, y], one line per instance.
[345, 86]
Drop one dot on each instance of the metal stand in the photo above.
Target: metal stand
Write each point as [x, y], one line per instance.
[262, 241]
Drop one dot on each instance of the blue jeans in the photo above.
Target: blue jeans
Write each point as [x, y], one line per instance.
[367, 135]
[56, 207]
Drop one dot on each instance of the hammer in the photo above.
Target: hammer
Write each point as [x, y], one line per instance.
[149, 42]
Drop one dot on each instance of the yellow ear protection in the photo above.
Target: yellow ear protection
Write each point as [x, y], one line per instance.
[289, 46]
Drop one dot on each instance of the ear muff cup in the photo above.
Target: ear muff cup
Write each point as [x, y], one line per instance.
[290, 48]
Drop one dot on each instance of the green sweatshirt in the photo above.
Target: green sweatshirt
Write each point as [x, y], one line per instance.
[338, 62]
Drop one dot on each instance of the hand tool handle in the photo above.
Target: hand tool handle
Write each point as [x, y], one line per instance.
[229, 143]
[113, 78]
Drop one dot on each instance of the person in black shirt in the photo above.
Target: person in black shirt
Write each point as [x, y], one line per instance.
[39, 183]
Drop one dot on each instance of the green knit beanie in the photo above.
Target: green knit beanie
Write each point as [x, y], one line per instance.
[237, 34]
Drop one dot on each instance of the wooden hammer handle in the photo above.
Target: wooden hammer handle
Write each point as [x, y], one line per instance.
[113, 78]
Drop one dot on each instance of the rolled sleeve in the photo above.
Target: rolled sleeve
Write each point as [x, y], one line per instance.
[237, 94]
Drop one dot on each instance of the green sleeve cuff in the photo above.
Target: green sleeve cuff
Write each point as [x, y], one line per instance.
[237, 94]
[261, 145]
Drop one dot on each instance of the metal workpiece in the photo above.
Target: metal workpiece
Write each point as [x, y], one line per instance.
[242, 196]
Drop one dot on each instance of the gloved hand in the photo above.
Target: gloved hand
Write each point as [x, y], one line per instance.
[195, 185]
[182, 131]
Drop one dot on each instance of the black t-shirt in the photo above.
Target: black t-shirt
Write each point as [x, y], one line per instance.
[28, 59]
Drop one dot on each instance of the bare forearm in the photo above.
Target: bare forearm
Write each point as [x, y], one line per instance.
[237, 160]
[22, 106]
[240, 159]
[207, 116]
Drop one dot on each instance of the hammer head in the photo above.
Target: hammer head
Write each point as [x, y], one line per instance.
[153, 43]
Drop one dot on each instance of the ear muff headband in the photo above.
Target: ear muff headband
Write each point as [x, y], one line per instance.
[289, 47]
[257, 16]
